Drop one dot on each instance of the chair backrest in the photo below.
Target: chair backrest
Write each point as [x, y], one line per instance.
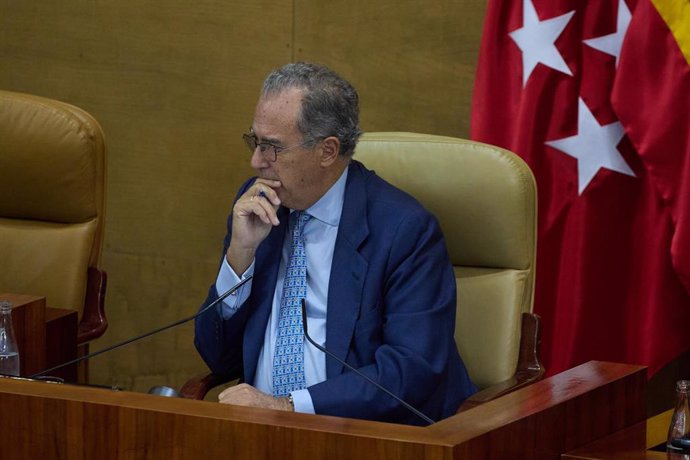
[52, 195]
[485, 200]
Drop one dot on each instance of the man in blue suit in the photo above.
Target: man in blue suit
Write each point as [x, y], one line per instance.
[368, 259]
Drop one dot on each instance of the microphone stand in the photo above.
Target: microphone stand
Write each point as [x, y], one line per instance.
[356, 371]
[143, 336]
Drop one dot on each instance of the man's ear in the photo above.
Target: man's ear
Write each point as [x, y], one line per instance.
[329, 149]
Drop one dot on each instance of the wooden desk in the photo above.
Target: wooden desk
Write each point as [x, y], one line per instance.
[633, 442]
[46, 336]
[540, 421]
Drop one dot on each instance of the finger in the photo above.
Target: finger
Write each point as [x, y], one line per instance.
[260, 208]
[264, 193]
[263, 208]
[270, 211]
[266, 189]
[270, 183]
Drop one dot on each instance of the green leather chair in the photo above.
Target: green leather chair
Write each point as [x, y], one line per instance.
[52, 204]
[486, 202]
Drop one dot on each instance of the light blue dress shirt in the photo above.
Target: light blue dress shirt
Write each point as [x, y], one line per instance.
[320, 234]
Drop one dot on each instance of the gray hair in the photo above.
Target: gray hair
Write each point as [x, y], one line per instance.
[330, 106]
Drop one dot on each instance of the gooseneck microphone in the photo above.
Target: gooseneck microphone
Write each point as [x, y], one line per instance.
[156, 331]
[341, 361]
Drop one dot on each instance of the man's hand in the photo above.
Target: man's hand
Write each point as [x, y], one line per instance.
[253, 217]
[246, 395]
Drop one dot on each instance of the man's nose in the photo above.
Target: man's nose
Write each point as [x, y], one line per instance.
[258, 159]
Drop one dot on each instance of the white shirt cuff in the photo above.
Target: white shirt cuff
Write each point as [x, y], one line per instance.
[302, 401]
[226, 279]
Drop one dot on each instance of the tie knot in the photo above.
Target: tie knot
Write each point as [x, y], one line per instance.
[300, 219]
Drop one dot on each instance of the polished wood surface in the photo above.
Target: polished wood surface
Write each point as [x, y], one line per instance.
[635, 443]
[61, 341]
[554, 415]
[542, 421]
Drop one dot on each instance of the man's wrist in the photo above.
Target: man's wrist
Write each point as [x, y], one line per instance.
[239, 260]
[291, 402]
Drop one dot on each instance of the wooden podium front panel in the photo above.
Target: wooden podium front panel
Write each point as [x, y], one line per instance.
[76, 422]
[552, 416]
[541, 421]
[634, 442]
[61, 342]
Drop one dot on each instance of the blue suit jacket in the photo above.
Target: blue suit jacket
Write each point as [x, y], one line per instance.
[391, 310]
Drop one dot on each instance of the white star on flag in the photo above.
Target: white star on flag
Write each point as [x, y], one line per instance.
[536, 39]
[612, 43]
[594, 147]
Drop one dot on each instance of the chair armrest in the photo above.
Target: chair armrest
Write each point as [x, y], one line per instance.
[528, 370]
[93, 323]
[197, 387]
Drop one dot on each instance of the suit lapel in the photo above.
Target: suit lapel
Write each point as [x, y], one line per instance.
[348, 270]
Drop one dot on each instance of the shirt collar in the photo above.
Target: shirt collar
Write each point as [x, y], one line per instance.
[330, 206]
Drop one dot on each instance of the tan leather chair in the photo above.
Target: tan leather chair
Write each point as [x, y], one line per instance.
[485, 200]
[52, 200]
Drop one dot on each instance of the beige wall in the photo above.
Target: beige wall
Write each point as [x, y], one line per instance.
[174, 85]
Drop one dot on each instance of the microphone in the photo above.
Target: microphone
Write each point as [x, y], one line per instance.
[143, 336]
[341, 361]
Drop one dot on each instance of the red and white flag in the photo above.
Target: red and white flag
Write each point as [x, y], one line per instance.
[595, 96]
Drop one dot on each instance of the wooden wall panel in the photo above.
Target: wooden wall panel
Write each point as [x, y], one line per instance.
[413, 62]
[174, 84]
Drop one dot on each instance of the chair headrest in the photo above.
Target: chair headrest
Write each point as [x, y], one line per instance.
[51, 160]
[483, 196]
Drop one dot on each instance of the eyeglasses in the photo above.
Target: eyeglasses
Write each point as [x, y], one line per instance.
[268, 150]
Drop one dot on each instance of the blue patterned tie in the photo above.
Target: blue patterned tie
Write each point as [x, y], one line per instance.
[288, 358]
